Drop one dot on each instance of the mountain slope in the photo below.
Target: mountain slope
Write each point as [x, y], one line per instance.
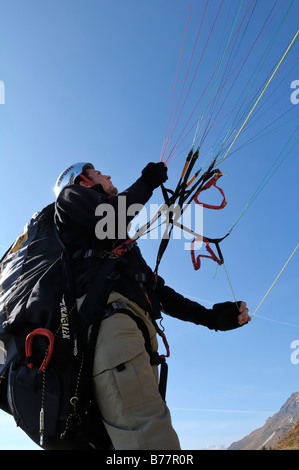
[273, 430]
[291, 440]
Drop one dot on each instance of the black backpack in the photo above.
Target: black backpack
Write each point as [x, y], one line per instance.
[45, 357]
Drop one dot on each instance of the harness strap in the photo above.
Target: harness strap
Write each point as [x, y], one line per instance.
[113, 308]
[89, 254]
[120, 250]
[124, 247]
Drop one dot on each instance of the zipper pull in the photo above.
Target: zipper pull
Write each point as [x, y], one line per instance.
[41, 426]
[75, 350]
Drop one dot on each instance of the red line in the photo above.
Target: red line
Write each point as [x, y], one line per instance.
[196, 71]
[229, 76]
[186, 76]
[164, 144]
[197, 104]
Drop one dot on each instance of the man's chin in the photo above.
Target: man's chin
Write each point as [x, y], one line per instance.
[113, 191]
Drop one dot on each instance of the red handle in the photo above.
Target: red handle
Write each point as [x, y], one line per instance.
[210, 183]
[28, 346]
[196, 260]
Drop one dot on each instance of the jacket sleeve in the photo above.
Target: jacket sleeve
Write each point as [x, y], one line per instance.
[223, 316]
[178, 306]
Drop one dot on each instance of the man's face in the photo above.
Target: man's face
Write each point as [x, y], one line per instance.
[104, 180]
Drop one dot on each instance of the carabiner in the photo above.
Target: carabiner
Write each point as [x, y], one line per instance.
[28, 346]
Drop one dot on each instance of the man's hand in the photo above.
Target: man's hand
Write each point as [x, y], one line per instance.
[154, 174]
[231, 315]
[244, 316]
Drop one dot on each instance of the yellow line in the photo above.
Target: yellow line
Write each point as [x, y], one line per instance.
[274, 282]
[266, 86]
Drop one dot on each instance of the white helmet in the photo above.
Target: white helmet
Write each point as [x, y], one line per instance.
[69, 175]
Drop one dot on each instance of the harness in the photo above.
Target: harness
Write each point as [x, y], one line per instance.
[89, 306]
[48, 388]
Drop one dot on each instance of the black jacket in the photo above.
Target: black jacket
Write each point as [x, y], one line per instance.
[76, 221]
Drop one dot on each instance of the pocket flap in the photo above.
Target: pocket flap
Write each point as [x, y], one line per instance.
[110, 355]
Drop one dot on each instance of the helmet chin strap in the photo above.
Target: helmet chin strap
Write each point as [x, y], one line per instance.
[86, 180]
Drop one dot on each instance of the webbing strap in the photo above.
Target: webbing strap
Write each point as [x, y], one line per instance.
[206, 180]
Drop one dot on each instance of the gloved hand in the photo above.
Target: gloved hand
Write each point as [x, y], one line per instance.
[154, 174]
[230, 316]
[223, 316]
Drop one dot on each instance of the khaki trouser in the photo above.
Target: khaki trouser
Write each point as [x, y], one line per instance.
[134, 414]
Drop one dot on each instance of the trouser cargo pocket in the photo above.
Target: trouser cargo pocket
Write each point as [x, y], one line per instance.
[126, 388]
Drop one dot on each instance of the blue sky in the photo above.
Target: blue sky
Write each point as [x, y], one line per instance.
[93, 81]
